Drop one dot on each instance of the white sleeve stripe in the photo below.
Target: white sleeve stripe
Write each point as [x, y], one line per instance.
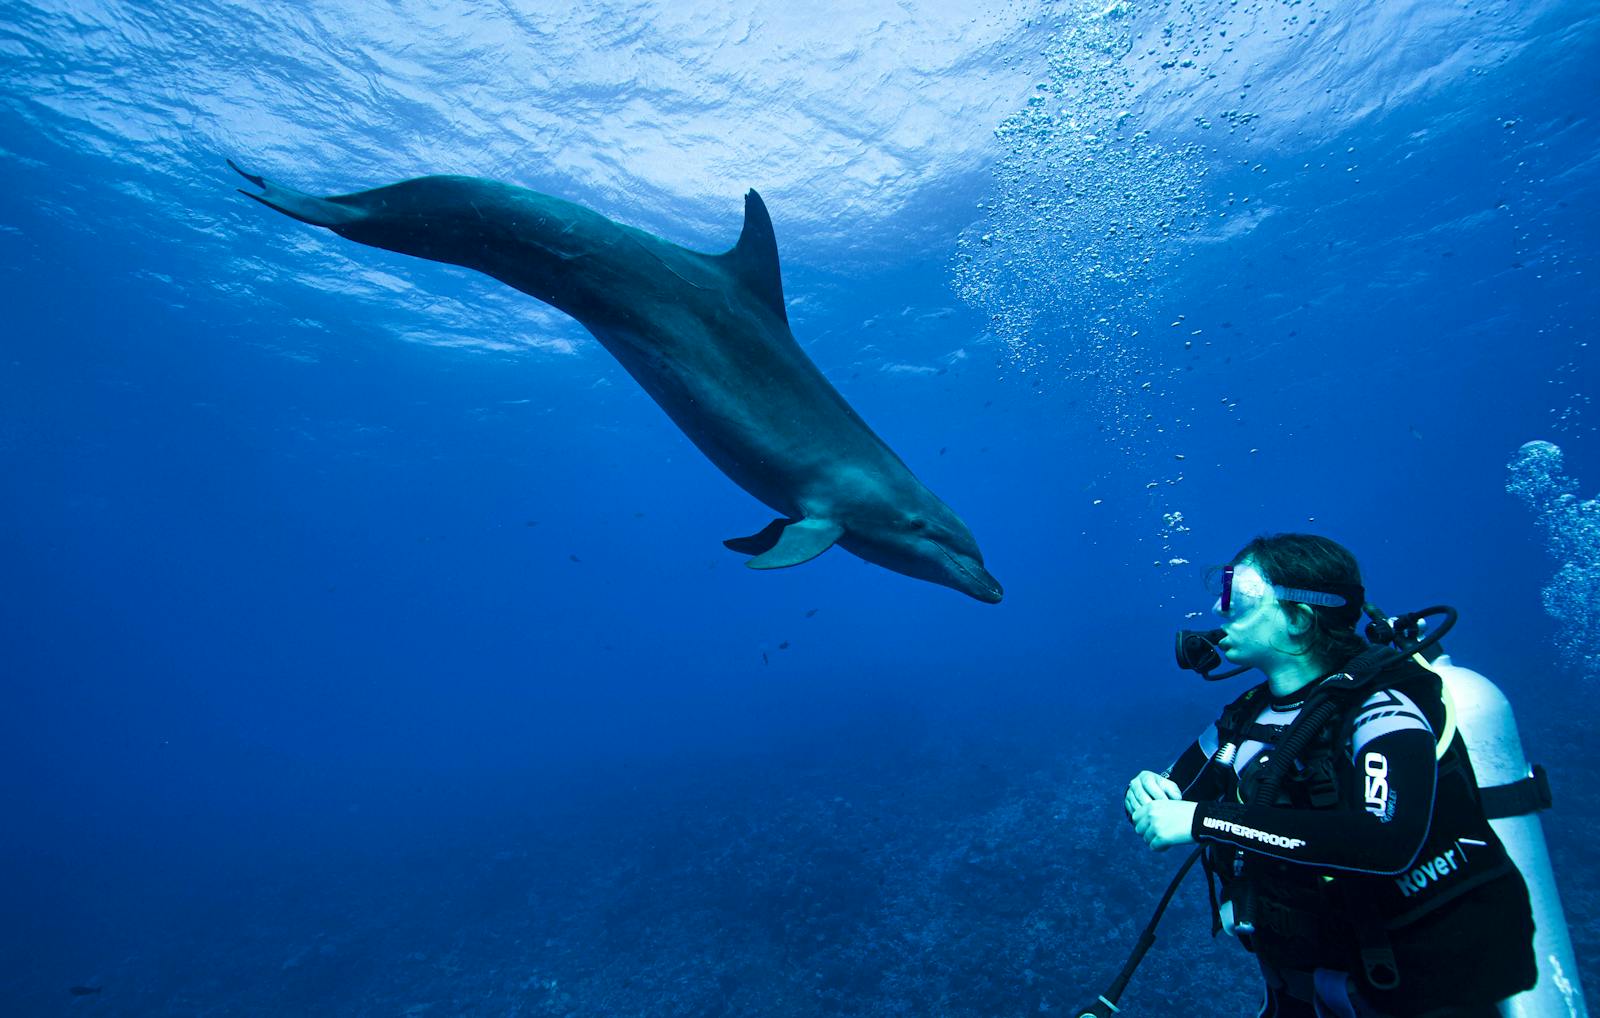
[1390, 699]
[1385, 726]
[1375, 715]
[1384, 713]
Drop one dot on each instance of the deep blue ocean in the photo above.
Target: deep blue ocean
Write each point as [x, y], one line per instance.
[368, 644]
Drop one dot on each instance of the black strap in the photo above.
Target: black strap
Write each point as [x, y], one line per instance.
[1519, 798]
[1378, 964]
[1238, 714]
[1269, 734]
[1321, 783]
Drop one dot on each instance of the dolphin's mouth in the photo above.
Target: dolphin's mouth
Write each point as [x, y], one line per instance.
[987, 586]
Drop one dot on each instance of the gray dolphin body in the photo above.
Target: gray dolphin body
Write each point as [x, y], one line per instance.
[707, 337]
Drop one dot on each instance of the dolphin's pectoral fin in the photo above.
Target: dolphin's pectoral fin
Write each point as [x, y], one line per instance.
[757, 543]
[316, 211]
[755, 258]
[789, 542]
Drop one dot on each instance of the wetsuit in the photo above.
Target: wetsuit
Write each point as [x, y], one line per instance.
[1376, 847]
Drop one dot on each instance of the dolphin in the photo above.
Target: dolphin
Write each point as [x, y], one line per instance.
[707, 336]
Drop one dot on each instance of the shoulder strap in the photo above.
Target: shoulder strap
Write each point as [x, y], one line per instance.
[1237, 715]
[1332, 697]
[1359, 671]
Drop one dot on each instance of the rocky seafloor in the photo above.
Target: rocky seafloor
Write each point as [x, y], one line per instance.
[872, 872]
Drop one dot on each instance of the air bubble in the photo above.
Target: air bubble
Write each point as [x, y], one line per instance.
[1571, 529]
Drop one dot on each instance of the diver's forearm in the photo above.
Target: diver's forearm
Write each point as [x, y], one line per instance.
[1378, 827]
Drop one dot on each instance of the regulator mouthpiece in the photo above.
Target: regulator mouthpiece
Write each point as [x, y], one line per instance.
[1197, 649]
[1198, 652]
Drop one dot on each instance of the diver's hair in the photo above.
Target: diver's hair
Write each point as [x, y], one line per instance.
[1310, 562]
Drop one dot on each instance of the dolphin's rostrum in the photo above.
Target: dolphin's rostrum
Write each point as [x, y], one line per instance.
[707, 337]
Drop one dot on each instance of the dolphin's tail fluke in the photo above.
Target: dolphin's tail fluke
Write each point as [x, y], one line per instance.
[316, 211]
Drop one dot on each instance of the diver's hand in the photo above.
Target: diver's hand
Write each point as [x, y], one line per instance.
[1147, 786]
[1163, 823]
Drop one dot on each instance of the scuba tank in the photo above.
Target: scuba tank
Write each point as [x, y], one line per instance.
[1512, 795]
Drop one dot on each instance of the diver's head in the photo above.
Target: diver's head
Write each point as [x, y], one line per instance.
[1290, 597]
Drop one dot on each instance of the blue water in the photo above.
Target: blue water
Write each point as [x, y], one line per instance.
[368, 642]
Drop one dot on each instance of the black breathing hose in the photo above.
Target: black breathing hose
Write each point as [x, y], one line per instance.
[1106, 1004]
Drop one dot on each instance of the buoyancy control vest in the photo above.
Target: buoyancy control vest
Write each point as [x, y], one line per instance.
[1305, 917]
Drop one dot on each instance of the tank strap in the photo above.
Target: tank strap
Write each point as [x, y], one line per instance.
[1530, 795]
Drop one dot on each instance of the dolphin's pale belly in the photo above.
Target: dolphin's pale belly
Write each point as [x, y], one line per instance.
[766, 418]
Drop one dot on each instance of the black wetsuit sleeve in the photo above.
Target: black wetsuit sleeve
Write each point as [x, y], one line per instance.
[1189, 772]
[1378, 826]
[1186, 770]
[1199, 781]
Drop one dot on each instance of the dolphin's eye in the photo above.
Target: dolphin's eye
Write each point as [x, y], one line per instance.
[917, 524]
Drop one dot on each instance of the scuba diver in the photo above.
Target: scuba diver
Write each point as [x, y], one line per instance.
[1339, 818]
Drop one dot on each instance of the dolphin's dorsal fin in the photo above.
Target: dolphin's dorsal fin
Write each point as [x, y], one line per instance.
[786, 542]
[755, 258]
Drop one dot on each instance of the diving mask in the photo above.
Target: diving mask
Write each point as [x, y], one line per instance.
[1241, 588]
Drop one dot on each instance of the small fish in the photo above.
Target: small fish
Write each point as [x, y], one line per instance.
[574, 558]
[764, 659]
[84, 991]
[943, 449]
[812, 611]
[784, 645]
